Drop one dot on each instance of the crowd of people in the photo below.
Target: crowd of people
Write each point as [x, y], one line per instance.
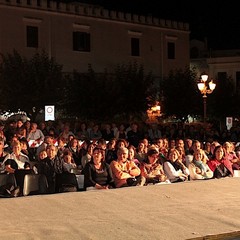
[115, 156]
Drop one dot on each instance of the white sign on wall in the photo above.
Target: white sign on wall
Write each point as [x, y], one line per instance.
[229, 122]
[49, 113]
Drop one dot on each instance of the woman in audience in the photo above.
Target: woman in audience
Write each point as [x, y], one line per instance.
[228, 148]
[68, 162]
[174, 168]
[152, 170]
[97, 173]
[132, 155]
[198, 168]
[87, 157]
[141, 151]
[220, 166]
[74, 148]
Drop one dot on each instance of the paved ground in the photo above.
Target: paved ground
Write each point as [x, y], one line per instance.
[189, 210]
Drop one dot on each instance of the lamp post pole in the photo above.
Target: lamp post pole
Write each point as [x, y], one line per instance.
[204, 110]
[205, 88]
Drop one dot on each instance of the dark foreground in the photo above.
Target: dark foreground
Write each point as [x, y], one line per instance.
[189, 210]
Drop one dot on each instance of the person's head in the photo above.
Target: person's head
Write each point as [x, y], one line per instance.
[16, 147]
[121, 143]
[227, 147]
[159, 142]
[152, 155]
[34, 126]
[112, 143]
[218, 153]
[199, 155]
[102, 144]
[180, 143]
[97, 155]
[90, 148]
[42, 155]
[67, 156]
[24, 144]
[51, 151]
[196, 145]
[122, 154]
[74, 142]
[131, 152]
[173, 155]
[19, 123]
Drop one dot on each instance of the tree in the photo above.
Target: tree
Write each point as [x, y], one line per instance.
[29, 84]
[180, 94]
[125, 92]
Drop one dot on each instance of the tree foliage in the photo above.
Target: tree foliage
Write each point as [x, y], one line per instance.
[28, 83]
[125, 92]
[180, 94]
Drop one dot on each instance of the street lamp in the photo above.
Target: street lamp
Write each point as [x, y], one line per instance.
[205, 88]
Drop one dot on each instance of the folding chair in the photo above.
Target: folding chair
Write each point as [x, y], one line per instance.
[6, 178]
[35, 184]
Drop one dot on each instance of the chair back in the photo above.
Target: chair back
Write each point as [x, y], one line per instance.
[34, 184]
[6, 178]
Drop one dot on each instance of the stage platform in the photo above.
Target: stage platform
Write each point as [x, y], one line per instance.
[205, 209]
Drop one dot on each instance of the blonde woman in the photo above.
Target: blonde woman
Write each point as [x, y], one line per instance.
[198, 168]
[174, 168]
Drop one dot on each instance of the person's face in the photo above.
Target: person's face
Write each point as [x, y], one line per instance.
[51, 152]
[43, 155]
[123, 155]
[121, 144]
[153, 158]
[173, 156]
[180, 143]
[19, 123]
[17, 149]
[67, 159]
[97, 156]
[131, 153]
[219, 153]
[23, 145]
[198, 156]
[75, 143]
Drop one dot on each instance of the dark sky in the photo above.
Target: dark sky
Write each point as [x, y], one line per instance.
[218, 21]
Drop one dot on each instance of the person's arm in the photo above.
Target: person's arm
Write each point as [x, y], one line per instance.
[88, 179]
[170, 171]
[193, 174]
[118, 172]
[134, 170]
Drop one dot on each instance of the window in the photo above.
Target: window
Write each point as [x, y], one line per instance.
[32, 36]
[135, 45]
[171, 50]
[81, 41]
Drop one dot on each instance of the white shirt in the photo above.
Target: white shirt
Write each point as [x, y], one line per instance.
[20, 161]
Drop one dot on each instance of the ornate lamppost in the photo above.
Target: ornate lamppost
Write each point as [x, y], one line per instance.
[205, 88]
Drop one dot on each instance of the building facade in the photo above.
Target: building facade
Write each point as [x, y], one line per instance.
[77, 35]
[218, 64]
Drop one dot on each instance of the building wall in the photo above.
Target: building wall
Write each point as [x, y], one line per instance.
[216, 62]
[110, 32]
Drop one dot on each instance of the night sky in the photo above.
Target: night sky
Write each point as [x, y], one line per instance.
[218, 21]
